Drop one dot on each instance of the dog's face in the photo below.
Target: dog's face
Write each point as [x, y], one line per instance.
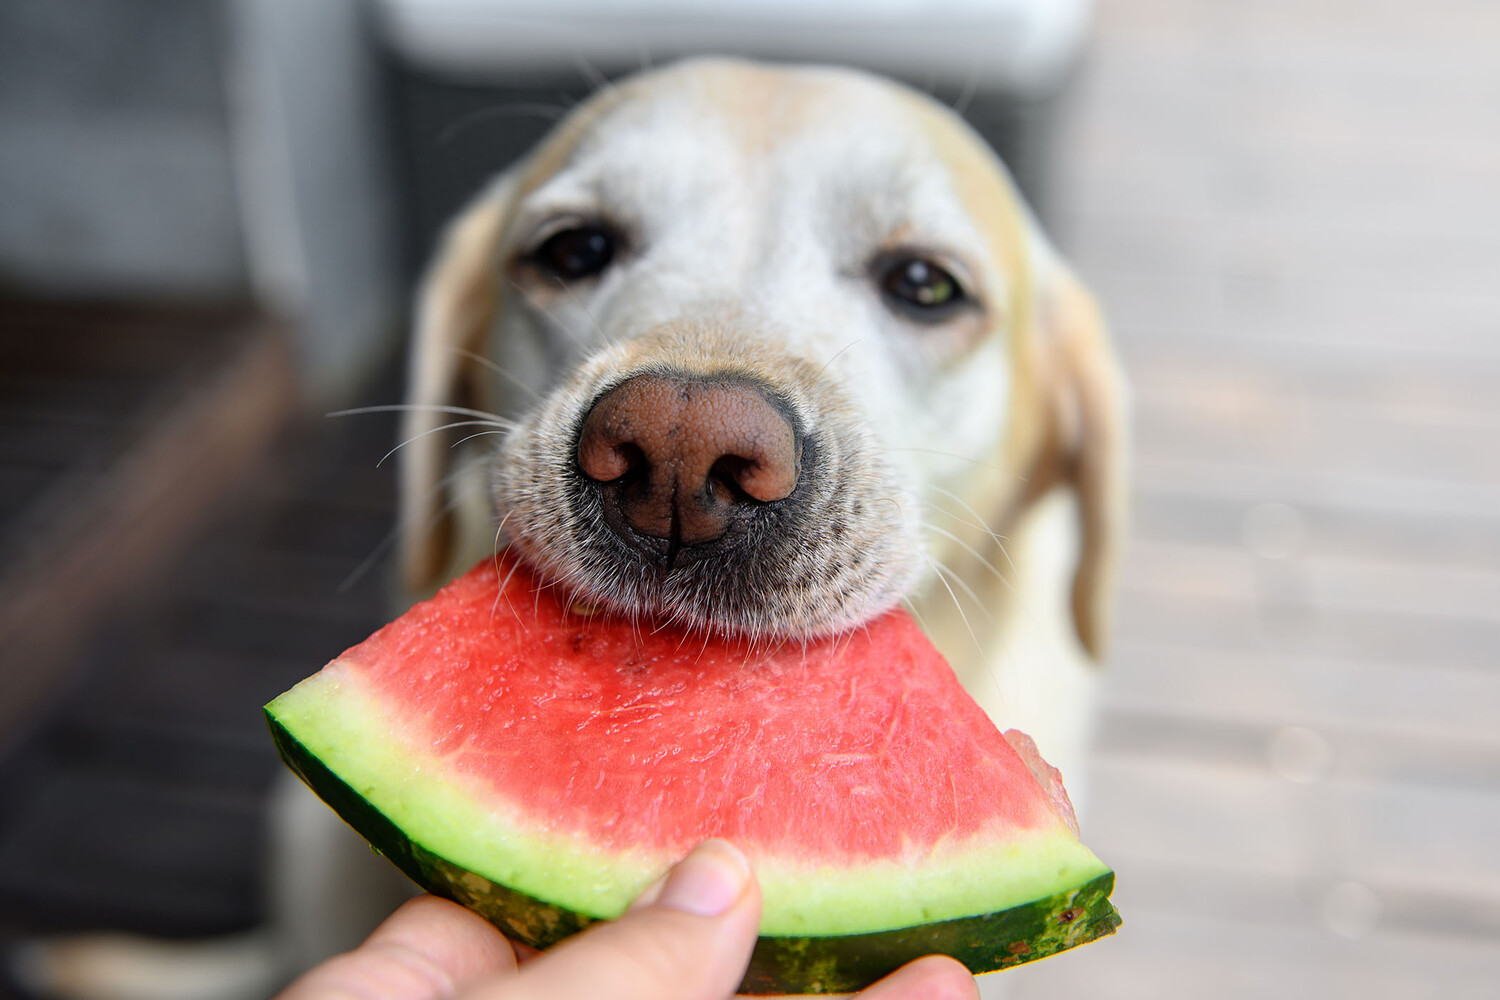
[777, 345]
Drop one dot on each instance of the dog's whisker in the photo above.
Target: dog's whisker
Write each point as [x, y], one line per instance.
[603, 335]
[381, 548]
[536, 599]
[499, 530]
[956, 517]
[1009, 562]
[957, 604]
[635, 626]
[591, 75]
[999, 540]
[707, 638]
[964, 586]
[515, 109]
[515, 563]
[1022, 601]
[563, 328]
[498, 370]
[978, 557]
[503, 429]
[838, 639]
[502, 592]
[393, 536]
[365, 564]
[971, 87]
[911, 609]
[670, 621]
[836, 355]
[950, 454]
[864, 623]
[978, 522]
[478, 434]
[840, 642]
[458, 411]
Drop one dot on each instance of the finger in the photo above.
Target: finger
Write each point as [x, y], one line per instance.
[692, 942]
[427, 950]
[936, 977]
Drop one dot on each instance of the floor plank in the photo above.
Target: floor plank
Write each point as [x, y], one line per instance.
[1288, 211]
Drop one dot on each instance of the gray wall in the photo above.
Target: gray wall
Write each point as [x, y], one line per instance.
[202, 149]
[116, 172]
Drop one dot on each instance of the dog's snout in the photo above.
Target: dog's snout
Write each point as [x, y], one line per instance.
[681, 458]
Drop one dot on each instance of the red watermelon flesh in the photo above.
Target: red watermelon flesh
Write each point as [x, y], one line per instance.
[544, 765]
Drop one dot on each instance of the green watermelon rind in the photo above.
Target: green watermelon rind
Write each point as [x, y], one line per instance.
[780, 964]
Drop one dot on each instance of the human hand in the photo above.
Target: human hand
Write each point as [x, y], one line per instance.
[687, 938]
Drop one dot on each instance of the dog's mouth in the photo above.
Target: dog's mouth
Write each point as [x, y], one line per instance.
[709, 501]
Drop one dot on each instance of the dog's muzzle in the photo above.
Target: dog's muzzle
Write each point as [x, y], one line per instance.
[683, 461]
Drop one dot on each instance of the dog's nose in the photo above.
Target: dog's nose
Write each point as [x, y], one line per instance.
[682, 458]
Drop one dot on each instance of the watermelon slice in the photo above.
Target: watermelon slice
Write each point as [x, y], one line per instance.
[544, 765]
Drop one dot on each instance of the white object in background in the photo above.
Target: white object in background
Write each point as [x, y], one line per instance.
[1024, 47]
[313, 191]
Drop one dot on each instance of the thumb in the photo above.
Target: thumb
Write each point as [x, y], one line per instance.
[426, 950]
[688, 939]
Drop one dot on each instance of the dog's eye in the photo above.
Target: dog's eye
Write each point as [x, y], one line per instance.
[581, 252]
[921, 289]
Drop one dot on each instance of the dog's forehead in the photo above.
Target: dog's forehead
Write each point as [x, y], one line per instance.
[754, 108]
[858, 155]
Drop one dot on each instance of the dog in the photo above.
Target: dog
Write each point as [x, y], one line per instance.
[764, 351]
[768, 351]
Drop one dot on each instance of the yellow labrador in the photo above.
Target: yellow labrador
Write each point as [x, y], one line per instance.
[776, 349]
[770, 351]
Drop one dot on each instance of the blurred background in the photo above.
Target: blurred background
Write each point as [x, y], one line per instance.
[212, 213]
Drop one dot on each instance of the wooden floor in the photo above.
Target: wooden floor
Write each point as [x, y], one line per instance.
[138, 803]
[1291, 210]
[138, 522]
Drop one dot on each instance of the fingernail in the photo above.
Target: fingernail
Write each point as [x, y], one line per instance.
[708, 881]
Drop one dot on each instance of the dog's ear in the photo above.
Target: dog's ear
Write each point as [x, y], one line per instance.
[1084, 440]
[456, 309]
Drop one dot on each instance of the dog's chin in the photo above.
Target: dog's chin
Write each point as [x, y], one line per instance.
[751, 602]
[768, 583]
